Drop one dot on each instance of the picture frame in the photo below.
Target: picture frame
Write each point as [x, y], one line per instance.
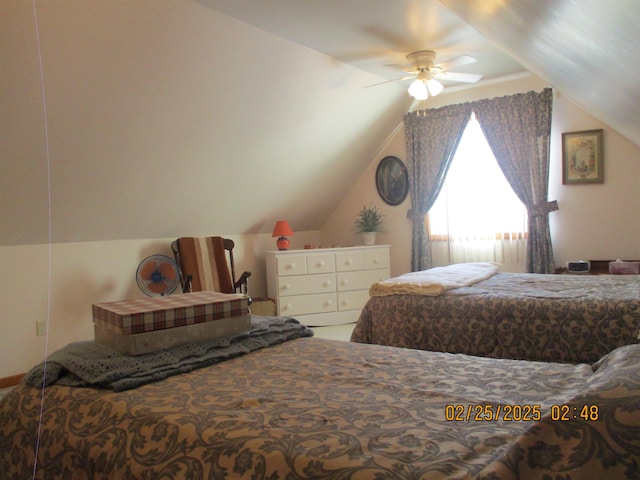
[582, 157]
[392, 180]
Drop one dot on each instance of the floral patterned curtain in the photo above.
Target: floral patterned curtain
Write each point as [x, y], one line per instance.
[518, 129]
[432, 137]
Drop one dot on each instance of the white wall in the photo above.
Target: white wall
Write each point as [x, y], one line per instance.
[595, 222]
[339, 229]
[161, 112]
[155, 129]
[60, 282]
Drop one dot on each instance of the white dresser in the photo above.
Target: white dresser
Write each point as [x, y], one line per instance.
[327, 286]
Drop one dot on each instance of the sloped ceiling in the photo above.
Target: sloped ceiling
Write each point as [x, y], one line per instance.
[371, 34]
[168, 118]
[587, 49]
[220, 116]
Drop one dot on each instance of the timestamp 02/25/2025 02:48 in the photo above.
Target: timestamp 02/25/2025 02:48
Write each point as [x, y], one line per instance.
[519, 412]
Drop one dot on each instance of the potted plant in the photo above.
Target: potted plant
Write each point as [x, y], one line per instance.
[368, 222]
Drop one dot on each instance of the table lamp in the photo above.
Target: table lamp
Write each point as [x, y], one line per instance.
[282, 230]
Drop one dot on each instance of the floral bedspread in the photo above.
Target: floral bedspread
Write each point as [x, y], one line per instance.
[317, 408]
[557, 318]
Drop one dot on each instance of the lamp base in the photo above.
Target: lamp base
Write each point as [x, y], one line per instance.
[283, 243]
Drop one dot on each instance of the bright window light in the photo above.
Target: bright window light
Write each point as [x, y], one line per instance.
[476, 201]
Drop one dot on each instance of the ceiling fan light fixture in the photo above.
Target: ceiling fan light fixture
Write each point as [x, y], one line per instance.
[418, 90]
[435, 87]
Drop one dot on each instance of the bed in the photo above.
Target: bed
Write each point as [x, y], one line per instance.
[308, 407]
[556, 318]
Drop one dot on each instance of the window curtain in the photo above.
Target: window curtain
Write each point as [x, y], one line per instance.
[518, 129]
[432, 137]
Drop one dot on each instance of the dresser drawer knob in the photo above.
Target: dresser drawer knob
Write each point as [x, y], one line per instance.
[291, 266]
[286, 286]
[287, 306]
[327, 283]
[320, 263]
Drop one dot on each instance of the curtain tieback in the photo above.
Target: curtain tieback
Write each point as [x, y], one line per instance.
[415, 216]
[542, 209]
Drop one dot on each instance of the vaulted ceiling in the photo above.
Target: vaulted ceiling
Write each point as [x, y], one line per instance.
[585, 48]
[147, 119]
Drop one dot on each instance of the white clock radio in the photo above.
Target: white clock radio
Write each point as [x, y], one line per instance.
[578, 266]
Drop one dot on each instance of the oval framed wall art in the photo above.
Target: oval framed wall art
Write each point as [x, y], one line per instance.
[392, 180]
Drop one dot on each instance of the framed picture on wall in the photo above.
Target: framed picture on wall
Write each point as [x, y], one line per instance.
[392, 180]
[582, 157]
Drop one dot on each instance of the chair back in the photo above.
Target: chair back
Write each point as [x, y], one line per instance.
[204, 260]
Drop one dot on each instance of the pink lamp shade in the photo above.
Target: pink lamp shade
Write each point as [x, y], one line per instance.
[282, 230]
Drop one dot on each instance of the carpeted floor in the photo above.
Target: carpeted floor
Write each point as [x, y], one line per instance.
[335, 332]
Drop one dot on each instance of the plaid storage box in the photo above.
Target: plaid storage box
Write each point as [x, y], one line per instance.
[150, 324]
[159, 313]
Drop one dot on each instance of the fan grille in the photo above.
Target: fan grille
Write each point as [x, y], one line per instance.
[157, 275]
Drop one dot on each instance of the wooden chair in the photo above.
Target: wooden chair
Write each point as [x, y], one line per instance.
[203, 266]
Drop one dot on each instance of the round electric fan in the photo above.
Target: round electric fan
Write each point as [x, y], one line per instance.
[157, 275]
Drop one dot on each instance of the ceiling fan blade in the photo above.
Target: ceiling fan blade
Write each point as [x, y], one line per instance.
[369, 55]
[457, 62]
[397, 66]
[388, 37]
[389, 81]
[460, 77]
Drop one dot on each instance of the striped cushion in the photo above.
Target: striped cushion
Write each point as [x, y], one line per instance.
[204, 258]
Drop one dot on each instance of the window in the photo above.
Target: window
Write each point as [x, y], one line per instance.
[477, 215]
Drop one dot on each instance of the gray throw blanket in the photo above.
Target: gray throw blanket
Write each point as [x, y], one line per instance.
[88, 363]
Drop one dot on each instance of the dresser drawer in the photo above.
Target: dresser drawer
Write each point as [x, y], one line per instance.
[306, 284]
[376, 258]
[326, 286]
[303, 304]
[321, 263]
[360, 280]
[349, 261]
[354, 300]
[291, 265]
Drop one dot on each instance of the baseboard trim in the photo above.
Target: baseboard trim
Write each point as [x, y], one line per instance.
[11, 381]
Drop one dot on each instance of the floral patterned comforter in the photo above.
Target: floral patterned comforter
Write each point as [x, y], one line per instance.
[556, 318]
[317, 408]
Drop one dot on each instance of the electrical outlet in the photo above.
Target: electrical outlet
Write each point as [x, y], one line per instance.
[41, 328]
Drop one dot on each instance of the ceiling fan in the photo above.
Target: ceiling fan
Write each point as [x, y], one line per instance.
[427, 73]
